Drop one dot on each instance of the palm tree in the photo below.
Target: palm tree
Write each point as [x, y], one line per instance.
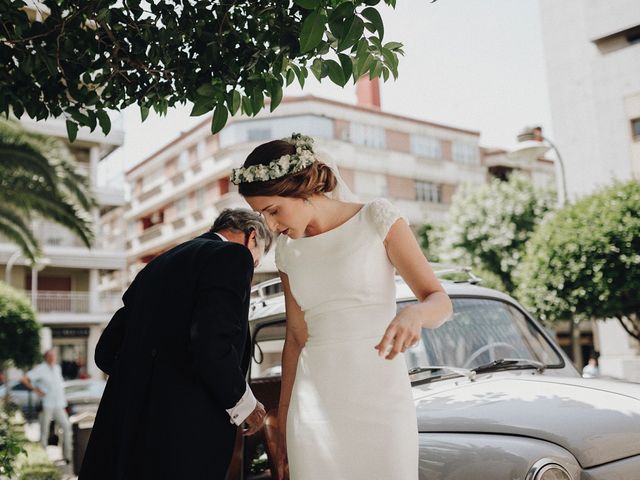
[39, 178]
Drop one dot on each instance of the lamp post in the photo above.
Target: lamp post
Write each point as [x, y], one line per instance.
[531, 146]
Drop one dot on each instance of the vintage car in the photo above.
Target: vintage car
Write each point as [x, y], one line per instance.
[495, 396]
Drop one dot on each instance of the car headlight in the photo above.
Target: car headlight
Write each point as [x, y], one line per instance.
[547, 469]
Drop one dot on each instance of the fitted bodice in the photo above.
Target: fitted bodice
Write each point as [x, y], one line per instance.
[342, 279]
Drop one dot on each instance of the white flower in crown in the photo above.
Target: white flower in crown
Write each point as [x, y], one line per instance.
[285, 165]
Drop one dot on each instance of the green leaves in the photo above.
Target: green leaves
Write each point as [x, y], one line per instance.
[275, 92]
[170, 54]
[219, 120]
[336, 74]
[144, 112]
[201, 108]
[312, 30]
[38, 177]
[308, 4]
[105, 121]
[374, 17]
[72, 130]
[234, 100]
[354, 31]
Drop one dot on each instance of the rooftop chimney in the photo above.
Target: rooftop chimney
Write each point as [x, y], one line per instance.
[368, 92]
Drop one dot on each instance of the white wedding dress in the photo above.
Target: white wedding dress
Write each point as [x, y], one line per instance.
[351, 415]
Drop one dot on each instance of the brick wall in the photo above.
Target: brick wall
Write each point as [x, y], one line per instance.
[401, 187]
[398, 141]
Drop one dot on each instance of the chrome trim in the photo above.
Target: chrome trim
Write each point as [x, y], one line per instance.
[543, 465]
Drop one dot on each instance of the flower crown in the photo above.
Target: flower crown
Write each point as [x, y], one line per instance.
[281, 167]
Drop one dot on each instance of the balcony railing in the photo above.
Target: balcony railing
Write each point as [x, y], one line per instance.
[74, 302]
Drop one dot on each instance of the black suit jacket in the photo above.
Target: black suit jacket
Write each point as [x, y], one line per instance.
[177, 354]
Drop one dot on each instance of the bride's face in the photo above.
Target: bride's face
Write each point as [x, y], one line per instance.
[286, 215]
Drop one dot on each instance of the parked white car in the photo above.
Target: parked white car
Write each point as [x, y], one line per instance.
[496, 397]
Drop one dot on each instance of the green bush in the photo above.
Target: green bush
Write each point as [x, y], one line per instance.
[40, 471]
[584, 262]
[11, 445]
[491, 224]
[19, 330]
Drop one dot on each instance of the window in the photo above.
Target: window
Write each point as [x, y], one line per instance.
[465, 153]
[368, 135]
[201, 149]
[181, 205]
[635, 129]
[273, 128]
[132, 227]
[428, 192]
[183, 160]
[200, 198]
[154, 178]
[424, 146]
[481, 331]
[370, 184]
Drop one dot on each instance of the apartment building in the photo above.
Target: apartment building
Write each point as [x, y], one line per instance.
[179, 190]
[65, 286]
[592, 51]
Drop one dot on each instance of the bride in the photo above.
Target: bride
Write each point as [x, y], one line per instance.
[346, 410]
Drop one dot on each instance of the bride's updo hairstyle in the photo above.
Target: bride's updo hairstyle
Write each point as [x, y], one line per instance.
[315, 179]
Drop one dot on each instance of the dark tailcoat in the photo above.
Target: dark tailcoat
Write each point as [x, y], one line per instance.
[177, 354]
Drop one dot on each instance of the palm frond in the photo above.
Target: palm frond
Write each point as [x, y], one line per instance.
[16, 229]
[38, 175]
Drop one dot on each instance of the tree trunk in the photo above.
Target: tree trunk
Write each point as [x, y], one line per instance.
[576, 345]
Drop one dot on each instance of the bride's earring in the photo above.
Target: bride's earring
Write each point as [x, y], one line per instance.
[307, 201]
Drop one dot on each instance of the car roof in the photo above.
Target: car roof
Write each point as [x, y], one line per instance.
[274, 305]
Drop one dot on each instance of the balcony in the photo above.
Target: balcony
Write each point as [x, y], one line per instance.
[74, 302]
[187, 225]
[175, 187]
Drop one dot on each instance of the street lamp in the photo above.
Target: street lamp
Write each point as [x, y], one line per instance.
[531, 146]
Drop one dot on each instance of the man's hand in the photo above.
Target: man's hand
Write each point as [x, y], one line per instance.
[255, 420]
[39, 392]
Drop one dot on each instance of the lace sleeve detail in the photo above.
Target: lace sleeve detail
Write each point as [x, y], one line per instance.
[383, 215]
[279, 254]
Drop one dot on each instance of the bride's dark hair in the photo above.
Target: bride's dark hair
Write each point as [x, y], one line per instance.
[317, 178]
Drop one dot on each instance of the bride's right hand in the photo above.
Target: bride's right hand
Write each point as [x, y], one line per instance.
[282, 465]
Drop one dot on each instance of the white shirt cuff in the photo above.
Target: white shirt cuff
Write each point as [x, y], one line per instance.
[245, 406]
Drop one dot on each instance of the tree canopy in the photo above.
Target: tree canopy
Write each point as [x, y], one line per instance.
[78, 59]
[584, 262]
[492, 222]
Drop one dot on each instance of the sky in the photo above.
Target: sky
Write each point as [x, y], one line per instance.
[472, 64]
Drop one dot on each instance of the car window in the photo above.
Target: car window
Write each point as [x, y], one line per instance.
[267, 352]
[481, 330]
[19, 387]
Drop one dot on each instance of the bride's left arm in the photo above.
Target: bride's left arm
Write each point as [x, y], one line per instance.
[434, 306]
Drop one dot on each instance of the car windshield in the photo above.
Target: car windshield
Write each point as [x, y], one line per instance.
[481, 331]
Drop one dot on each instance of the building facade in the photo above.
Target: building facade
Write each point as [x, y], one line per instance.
[179, 190]
[592, 51]
[65, 286]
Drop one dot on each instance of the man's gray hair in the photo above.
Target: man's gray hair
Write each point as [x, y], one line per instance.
[245, 221]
